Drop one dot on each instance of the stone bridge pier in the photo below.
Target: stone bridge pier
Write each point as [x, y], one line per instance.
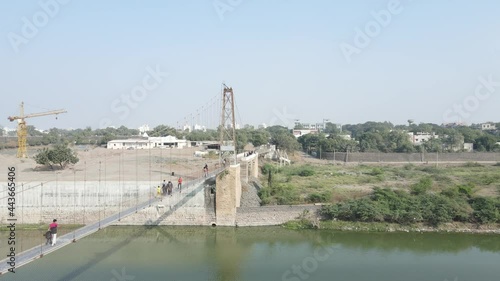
[228, 188]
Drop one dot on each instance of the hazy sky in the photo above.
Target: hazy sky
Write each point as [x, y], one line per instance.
[155, 62]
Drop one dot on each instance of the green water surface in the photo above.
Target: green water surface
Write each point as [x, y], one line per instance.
[267, 253]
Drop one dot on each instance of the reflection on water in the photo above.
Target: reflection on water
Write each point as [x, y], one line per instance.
[266, 253]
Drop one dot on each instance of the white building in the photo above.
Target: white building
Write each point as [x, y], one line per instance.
[262, 126]
[488, 126]
[298, 133]
[468, 147]
[144, 128]
[315, 126]
[151, 142]
[419, 138]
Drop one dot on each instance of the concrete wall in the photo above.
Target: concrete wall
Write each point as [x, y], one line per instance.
[255, 166]
[228, 190]
[194, 209]
[411, 157]
[272, 215]
[73, 202]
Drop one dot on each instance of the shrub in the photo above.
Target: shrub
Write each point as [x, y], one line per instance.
[319, 197]
[408, 167]
[435, 209]
[306, 172]
[486, 210]
[472, 165]
[376, 171]
[329, 211]
[268, 168]
[431, 170]
[422, 186]
[466, 189]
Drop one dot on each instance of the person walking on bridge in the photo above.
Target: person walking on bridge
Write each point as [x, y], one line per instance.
[170, 186]
[53, 231]
[205, 170]
[158, 192]
[164, 188]
[179, 184]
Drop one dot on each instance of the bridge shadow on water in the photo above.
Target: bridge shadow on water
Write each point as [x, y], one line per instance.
[138, 233]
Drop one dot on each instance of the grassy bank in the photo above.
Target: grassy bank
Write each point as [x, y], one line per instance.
[327, 183]
[395, 195]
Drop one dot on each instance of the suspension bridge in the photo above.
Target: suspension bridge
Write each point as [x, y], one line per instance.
[110, 187]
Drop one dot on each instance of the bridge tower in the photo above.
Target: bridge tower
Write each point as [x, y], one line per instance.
[228, 182]
[227, 134]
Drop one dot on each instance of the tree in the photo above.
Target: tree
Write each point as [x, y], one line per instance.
[259, 137]
[163, 131]
[60, 155]
[398, 141]
[453, 140]
[433, 145]
[371, 141]
[486, 143]
[285, 141]
[331, 128]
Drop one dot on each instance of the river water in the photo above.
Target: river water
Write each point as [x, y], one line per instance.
[266, 253]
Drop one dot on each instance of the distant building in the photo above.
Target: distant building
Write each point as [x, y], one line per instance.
[262, 126]
[419, 138]
[468, 147]
[489, 126]
[320, 126]
[298, 133]
[453, 125]
[149, 143]
[197, 127]
[236, 126]
[144, 128]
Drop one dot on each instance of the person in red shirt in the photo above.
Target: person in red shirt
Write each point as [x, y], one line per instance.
[179, 184]
[53, 230]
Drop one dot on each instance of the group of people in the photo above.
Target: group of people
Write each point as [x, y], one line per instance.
[167, 187]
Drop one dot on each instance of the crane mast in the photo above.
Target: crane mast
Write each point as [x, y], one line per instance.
[22, 128]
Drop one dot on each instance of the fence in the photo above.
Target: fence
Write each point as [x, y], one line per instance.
[412, 157]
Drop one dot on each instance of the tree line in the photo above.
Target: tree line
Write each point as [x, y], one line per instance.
[280, 136]
[386, 137]
[365, 137]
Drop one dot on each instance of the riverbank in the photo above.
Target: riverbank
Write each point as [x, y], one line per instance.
[455, 227]
[62, 228]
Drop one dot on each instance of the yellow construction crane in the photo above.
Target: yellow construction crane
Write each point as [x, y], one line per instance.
[22, 130]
